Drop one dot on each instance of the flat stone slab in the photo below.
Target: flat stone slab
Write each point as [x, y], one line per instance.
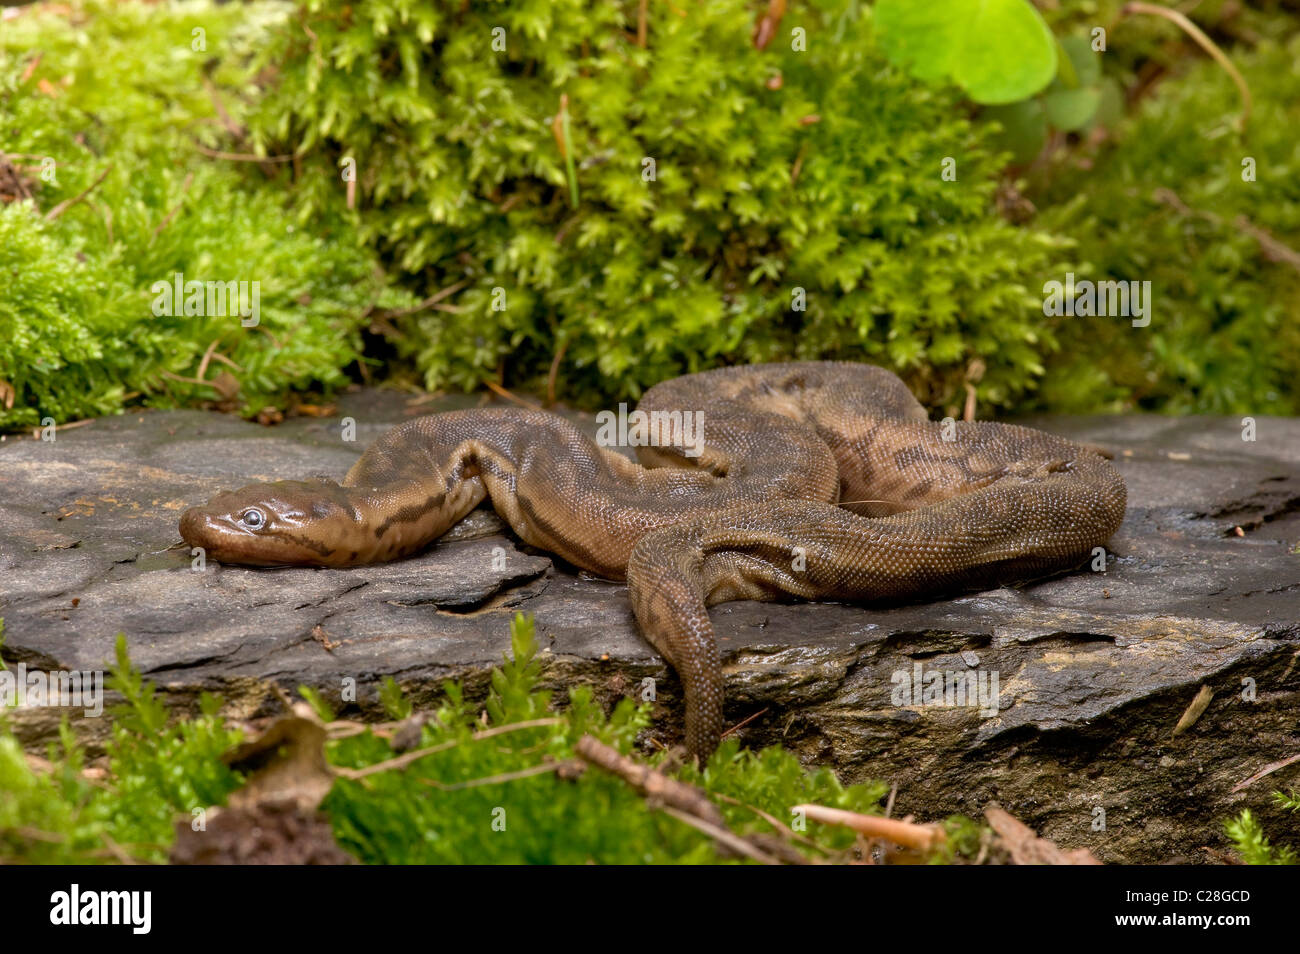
[1093, 669]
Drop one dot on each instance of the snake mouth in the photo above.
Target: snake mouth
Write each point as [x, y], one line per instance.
[220, 537]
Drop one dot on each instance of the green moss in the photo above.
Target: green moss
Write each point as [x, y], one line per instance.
[1247, 836]
[830, 183]
[473, 799]
[80, 334]
[1167, 204]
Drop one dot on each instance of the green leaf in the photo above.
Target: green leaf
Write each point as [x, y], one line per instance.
[923, 38]
[998, 51]
[1008, 53]
[1071, 109]
[1024, 128]
[1082, 60]
[1110, 108]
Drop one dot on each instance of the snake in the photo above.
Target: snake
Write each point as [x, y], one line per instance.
[811, 480]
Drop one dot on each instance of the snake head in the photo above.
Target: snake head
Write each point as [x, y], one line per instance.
[284, 523]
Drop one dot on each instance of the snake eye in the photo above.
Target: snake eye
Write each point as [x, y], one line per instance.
[253, 519]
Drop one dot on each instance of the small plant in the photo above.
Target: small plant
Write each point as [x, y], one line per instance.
[998, 51]
[115, 199]
[1248, 837]
[489, 791]
[490, 783]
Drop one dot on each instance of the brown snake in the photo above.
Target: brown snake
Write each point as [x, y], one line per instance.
[817, 480]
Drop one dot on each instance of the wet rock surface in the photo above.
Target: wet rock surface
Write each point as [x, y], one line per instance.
[1093, 669]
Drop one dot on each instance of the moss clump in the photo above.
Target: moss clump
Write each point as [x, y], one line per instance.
[80, 333]
[470, 799]
[1168, 204]
[797, 205]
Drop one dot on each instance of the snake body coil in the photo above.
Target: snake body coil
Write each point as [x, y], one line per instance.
[815, 480]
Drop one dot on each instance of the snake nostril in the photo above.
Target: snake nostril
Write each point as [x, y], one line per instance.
[193, 523]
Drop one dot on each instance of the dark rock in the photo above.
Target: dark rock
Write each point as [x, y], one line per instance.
[1094, 669]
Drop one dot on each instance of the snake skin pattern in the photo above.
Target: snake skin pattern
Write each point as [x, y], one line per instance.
[814, 480]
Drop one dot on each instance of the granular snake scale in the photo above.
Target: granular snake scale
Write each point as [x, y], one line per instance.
[811, 480]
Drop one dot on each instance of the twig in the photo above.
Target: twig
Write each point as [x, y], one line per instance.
[555, 370]
[560, 129]
[1266, 770]
[403, 760]
[503, 777]
[641, 23]
[1205, 43]
[510, 396]
[236, 130]
[185, 188]
[907, 834]
[784, 830]
[66, 204]
[239, 156]
[722, 836]
[765, 29]
[36, 431]
[650, 783]
[427, 303]
[31, 67]
[208, 355]
[1272, 249]
[798, 163]
[744, 722]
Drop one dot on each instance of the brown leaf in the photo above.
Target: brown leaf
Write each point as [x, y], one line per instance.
[287, 761]
[226, 385]
[1026, 848]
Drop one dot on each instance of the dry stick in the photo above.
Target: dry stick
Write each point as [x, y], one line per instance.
[766, 27]
[744, 722]
[36, 431]
[427, 303]
[721, 835]
[31, 68]
[798, 163]
[503, 777]
[66, 204]
[510, 396]
[1272, 249]
[1204, 42]
[236, 130]
[782, 829]
[239, 156]
[641, 23]
[202, 373]
[1266, 770]
[907, 834]
[650, 783]
[404, 760]
[185, 188]
[555, 369]
[968, 412]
